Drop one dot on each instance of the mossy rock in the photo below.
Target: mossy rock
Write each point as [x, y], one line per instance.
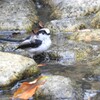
[17, 15]
[15, 67]
[95, 23]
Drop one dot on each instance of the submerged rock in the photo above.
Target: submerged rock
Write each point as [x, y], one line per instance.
[72, 56]
[58, 88]
[17, 15]
[76, 47]
[13, 67]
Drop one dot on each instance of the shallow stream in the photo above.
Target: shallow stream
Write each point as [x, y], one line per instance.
[81, 73]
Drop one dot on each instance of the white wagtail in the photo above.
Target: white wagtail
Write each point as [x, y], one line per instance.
[37, 43]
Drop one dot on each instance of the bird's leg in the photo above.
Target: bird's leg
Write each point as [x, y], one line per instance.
[47, 58]
[31, 55]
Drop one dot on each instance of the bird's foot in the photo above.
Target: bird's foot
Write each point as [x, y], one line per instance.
[47, 58]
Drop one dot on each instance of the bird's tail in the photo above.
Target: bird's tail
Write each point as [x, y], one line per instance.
[15, 49]
[10, 40]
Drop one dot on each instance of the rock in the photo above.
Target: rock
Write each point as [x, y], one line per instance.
[96, 21]
[86, 35]
[73, 25]
[57, 88]
[72, 8]
[70, 57]
[68, 51]
[97, 69]
[13, 67]
[73, 15]
[17, 15]
[65, 25]
[76, 47]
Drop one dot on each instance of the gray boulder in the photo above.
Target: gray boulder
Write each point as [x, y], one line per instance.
[17, 15]
[13, 67]
[72, 8]
[57, 88]
[73, 15]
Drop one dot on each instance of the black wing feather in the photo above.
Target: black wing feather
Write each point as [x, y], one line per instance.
[35, 44]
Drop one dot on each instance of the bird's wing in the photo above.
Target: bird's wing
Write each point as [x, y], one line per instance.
[30, 44]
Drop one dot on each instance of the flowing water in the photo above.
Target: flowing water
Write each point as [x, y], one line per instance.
[81, 73]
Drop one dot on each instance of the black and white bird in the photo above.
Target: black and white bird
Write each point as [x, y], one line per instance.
[38, 42]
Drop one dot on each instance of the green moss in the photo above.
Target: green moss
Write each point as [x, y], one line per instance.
[80, 55]
[29, 28]
[32, 70]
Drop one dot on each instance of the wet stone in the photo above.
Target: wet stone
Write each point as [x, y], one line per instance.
[17, 15]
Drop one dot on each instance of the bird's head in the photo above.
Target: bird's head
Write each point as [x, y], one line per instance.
[44, 31]
[41, 30]
[39, 26]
